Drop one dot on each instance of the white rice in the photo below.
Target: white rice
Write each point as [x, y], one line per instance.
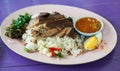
[68, 44]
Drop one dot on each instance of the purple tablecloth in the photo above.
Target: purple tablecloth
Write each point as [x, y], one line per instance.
[110, 9]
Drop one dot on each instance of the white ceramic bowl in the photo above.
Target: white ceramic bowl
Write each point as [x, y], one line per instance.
[88, 34]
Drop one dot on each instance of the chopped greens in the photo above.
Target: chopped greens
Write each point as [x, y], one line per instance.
[18, 27]
[59, 55]
[26, 49]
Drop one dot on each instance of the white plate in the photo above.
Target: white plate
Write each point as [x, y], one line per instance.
[109, 35]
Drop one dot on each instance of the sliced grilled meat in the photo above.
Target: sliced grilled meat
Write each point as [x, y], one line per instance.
[61, 23]
[45, 17]
[50, 32]
[67, 31]
[54, 24]
[61, 33]
[71, 33]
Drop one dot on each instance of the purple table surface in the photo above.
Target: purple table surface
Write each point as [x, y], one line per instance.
[110, 9]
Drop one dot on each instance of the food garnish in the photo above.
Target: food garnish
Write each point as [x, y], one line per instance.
[56, 52]
[93, 42]
[18, 27]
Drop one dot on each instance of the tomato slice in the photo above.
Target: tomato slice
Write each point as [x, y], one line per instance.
[53, 54]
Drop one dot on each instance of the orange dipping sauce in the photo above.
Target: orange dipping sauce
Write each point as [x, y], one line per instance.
[88, 25]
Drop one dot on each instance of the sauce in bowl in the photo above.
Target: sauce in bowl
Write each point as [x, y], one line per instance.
[88, 25]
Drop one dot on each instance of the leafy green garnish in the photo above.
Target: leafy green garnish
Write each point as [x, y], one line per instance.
[21, 20]
[59, 55]
[18, 27]
[26, 49]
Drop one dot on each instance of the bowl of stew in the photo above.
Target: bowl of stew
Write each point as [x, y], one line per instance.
[88, 26]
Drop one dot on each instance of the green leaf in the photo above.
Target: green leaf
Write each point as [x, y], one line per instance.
[59, 55]
[26, 49]
[19, 24]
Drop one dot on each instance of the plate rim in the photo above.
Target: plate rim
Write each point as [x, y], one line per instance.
[66, 6]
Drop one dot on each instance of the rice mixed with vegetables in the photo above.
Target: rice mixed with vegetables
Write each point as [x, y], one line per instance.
[67, 45]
